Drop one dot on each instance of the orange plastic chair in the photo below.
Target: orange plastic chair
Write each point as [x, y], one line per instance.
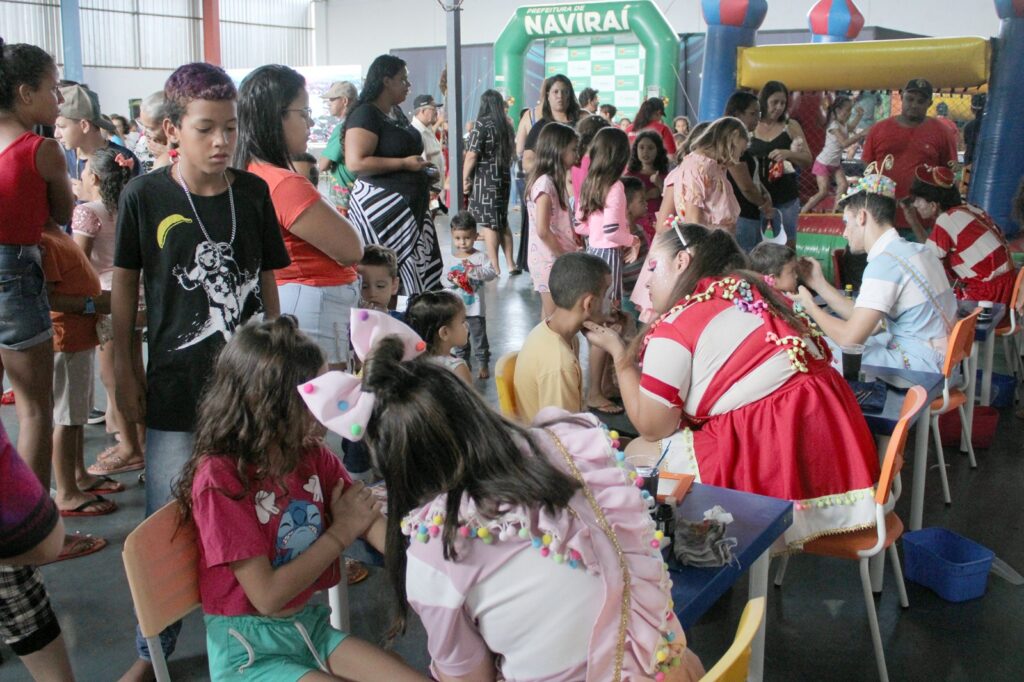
[1009, 331]
[958, 354]
[863, 545]
[504, 379]
[161, 560]
[735, 663]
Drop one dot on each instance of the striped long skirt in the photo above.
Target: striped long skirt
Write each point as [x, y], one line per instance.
[384, 217]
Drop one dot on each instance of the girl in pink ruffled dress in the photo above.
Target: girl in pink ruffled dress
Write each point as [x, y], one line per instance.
[514, 546]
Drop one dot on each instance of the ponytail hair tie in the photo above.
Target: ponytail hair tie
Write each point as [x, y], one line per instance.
[124, 161]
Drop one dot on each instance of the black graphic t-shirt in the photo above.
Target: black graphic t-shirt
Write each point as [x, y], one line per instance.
[197, 291]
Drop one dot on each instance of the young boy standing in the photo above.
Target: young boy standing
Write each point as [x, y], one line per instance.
[73, 289]
[467, 275]
[205, 240]
[378, 274]
[548, 372]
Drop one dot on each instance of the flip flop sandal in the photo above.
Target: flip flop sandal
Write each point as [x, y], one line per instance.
[603, 411]
[116, 465]
[356, 571]
[83, 509]
[79, 546]
[104, 485]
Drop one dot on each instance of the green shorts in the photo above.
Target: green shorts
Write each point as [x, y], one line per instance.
[272, 649]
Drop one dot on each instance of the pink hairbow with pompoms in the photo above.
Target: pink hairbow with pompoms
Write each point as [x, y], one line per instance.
[124, 161]
[337, 399]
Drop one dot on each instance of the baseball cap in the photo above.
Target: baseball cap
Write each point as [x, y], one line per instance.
[82, 103]
[424, 101]
[336, 90]
[919, 85]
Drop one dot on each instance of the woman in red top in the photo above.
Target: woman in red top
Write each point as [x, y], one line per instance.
[321, 285]
[649, 117]
[736, 383]
[34, 190]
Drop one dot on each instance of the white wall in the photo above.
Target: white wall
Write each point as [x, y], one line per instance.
[359, 30]
[116, 86]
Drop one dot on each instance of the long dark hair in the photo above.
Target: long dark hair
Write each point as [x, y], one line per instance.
[429, 311]
[21, 64]
[384, 66]
[111, 175]
[492, 108]
[573, 112]
[714, 253]
[609, 156]
[263, 97]
[650, 111]
[552, 142]
[660, 159]
[739, 102]
[836, 105]
[769, 89]
[431, 434]
[251, 412]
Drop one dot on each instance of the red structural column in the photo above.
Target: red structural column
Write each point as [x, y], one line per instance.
[211, 31]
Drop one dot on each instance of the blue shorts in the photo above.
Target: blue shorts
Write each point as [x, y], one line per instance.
[272, 649]
[24, 308]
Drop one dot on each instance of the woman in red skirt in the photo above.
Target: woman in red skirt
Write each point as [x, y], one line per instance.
[733, 381]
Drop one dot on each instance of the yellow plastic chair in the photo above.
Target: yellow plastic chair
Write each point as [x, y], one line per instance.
[734, 663]
[954, 396]
[161, 560]
[863, 545]
[504, 379]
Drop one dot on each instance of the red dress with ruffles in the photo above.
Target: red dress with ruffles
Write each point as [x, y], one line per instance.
[763, 410]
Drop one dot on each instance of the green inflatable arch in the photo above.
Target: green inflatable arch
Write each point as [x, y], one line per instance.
[643, 18]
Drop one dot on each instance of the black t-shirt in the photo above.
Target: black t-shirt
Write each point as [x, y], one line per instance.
[534, 135]
[197, 292]
[396, 139]
[971, 138]
[747, 209]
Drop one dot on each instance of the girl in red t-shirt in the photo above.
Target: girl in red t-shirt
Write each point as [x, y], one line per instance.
[34, 190]
[274, 509]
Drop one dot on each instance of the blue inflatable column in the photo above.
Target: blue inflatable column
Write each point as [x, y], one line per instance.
[998, 161]
[834, 21]
[732, 24]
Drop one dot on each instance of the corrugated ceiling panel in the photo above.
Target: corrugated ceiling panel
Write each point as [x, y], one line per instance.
[108, 38]
[167, 43]
[243, 45]
[34, 23]
[294, 13]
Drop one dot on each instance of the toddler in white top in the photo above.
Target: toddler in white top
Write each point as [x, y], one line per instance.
[837, 138]
[466, 273]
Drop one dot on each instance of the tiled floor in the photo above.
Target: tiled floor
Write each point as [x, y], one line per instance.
[817, 627]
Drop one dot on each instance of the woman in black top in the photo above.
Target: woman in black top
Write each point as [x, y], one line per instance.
[559, 104]
[780, 148]
[754, 199]
[487, 176]
[389, 200]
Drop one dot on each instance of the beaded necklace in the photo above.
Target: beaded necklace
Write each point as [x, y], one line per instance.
[199, 220]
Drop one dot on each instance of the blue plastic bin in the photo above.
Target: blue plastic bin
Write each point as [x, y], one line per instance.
[1003, 387]
[952, 566]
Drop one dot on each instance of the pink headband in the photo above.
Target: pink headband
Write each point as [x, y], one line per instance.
[337, 399]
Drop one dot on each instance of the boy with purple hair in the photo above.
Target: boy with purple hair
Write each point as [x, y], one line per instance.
[205, 240]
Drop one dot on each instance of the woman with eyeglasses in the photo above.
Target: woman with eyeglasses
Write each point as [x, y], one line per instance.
[389, 201]
[734, 382]
[321, 285]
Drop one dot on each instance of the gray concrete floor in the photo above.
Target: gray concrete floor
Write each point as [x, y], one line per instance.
[817, 627]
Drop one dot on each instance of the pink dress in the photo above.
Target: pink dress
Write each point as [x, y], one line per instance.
[93, 220]
[497, 596]
[540, 258]
[704, 183]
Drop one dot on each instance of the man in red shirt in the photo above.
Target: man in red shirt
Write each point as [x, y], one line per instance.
[912, 138]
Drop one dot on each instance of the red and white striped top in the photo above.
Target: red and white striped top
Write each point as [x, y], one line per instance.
[970, 245]
[714, 356]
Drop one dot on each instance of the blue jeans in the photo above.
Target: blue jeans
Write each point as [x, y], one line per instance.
[167, 453]
[24, 308]
[748, 233]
